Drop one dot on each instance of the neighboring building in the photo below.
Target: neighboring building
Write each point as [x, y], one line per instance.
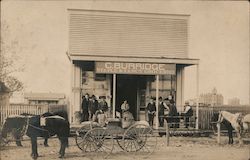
[212, 98]
[234, 101]
[127, 55]
[44, 98]
[4, 95]
[17, 98]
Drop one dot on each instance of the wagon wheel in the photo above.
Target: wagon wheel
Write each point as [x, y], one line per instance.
[119, 140]
[99, 141]
[140, 138]
[80, 133]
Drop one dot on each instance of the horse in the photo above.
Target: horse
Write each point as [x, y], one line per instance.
[234, 120]
[38, 126]
[225, 123]
[16, 131]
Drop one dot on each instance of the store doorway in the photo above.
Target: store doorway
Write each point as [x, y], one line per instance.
[128, 88]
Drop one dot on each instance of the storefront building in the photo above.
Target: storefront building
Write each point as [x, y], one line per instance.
[127, 56]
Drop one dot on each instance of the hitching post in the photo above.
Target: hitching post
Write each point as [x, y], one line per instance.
[197, 99]
[218, 132]
[167, 132]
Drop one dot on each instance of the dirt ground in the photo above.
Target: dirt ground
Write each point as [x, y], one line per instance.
[180, 148]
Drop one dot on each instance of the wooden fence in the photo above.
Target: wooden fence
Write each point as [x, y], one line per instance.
[206, 113]
[17, 109]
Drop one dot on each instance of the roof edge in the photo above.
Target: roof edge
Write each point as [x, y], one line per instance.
[129, 13]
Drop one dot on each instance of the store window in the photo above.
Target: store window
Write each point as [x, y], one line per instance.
[95, 84]
[167, 86]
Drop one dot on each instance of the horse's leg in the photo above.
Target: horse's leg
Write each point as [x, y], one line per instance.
[239, 136]
[230, 136]
[46, 142]
[64, 143]
[19, 143]
[18, 138]
[34, 153]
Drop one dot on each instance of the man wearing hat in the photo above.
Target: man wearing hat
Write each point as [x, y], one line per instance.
[151, 108]
[103, 105]
[93, 106]
[188, 112]
[85, 106]
[161, 112]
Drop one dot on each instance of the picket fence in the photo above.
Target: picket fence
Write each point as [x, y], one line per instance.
[17, 109]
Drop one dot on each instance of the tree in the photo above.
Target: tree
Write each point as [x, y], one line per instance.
[8, 55]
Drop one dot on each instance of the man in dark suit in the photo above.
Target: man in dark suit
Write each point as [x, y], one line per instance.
[151, 108]
[85, 107]
[93, 106]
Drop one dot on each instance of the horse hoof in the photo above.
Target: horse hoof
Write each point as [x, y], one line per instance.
[61, 156]
[34, 156]
[46, 145]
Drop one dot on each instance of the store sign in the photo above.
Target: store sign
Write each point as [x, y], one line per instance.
[135, 68]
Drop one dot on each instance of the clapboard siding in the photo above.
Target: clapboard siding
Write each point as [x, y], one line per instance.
[113, 34]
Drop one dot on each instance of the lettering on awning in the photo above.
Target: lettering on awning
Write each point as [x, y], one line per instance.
[135, 68]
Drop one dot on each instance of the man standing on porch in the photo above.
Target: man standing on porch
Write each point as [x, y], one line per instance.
[85, 106]
[151, 108]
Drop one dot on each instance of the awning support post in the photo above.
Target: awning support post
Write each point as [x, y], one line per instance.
[157, 102]
[114, 94]
[197, 99]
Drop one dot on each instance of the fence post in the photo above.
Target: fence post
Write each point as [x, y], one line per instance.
[167, 132]
[218, 133]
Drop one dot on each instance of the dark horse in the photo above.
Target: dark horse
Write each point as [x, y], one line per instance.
[33, 127]
[16, 129]
[226, 124]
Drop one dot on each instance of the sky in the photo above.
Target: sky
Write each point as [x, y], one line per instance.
[218, 36]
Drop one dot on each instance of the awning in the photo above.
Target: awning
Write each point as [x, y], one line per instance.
[164, 60]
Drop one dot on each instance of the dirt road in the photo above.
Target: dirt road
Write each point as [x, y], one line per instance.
[180, 148]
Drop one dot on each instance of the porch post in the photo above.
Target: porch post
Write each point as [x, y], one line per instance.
[157, 102]
[114, 94]
[197, 95]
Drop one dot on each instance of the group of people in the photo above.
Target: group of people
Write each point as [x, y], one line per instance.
[91, 107]
[167, 108]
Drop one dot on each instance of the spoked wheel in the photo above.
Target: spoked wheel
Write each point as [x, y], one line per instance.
[98, 142]
[140, 139]
[119, 140]
[80, 142]
[80, 133]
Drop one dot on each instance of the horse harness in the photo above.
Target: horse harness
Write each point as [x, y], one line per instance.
[39, 128]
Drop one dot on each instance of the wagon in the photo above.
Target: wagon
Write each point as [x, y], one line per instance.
[138, 138]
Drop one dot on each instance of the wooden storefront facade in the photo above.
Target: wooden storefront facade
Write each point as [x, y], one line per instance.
[126, 55]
